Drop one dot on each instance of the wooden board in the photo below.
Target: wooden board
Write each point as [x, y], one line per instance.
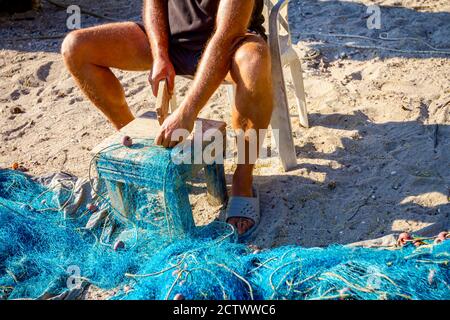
[162, 102]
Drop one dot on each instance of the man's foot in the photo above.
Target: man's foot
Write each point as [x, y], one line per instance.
[241, 188]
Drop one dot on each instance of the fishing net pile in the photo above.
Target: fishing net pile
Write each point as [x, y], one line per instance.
[51, 241]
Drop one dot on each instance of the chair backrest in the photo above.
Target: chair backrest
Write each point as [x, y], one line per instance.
[269, 4]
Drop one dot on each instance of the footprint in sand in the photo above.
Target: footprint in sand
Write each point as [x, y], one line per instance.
[15, 95]
[43, 71]
[135, 91]
[29, 81]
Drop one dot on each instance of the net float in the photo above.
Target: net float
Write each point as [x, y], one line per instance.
[403, 238]
[119, 245]
[127, 141]
[442, 236]
[344, 292]
[179, 296]
[91, 207]
[431, 277]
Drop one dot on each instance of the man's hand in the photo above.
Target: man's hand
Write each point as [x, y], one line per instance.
[162, 70]
[178, 120]
[156, 22]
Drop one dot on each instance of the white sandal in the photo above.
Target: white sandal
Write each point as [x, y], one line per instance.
[245, 208]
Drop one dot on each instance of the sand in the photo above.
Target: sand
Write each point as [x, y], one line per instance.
[370, 165]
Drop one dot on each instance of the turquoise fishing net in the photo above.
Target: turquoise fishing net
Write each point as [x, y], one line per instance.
[40, 244]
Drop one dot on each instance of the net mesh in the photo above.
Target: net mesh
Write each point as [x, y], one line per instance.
[48, 244]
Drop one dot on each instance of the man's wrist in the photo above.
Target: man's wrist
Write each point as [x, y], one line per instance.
[188, 112]
[161, 55]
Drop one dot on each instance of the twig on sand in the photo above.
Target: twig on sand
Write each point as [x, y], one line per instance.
[446, 102]
[20, 131]
[85, 11]
[366, 200]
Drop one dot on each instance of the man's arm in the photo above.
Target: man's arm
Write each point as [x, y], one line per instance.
[156, 25]
[233, 19]
[232, 22]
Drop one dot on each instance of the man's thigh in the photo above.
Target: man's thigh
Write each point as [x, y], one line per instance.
[116, 45]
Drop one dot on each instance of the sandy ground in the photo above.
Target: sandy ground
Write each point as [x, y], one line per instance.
[374, 162]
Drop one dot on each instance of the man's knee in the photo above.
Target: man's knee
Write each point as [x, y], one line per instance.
[71, 48]
[253, 56]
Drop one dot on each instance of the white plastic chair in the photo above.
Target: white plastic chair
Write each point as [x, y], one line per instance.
[283, 55]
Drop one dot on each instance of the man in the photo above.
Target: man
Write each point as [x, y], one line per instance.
[211, 40]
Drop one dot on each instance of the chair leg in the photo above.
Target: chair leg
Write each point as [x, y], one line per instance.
[118, 197]
[179, 210]
[297, 79]
[231, 90]
[281, 121]
[216, 183]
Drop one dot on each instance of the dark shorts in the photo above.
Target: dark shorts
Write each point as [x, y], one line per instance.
[185, 61]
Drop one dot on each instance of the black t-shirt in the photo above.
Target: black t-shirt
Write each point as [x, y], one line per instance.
[192, 22]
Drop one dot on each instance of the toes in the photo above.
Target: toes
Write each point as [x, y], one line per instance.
[242, 225]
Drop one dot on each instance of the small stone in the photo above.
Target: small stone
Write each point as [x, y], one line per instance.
[356, 76]
[15, 166]
[17, 110]
[332, 185]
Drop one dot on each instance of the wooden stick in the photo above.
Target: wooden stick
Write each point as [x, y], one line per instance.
[162, 102]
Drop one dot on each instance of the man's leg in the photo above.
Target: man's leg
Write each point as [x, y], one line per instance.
[251, 71]
[90, 53]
